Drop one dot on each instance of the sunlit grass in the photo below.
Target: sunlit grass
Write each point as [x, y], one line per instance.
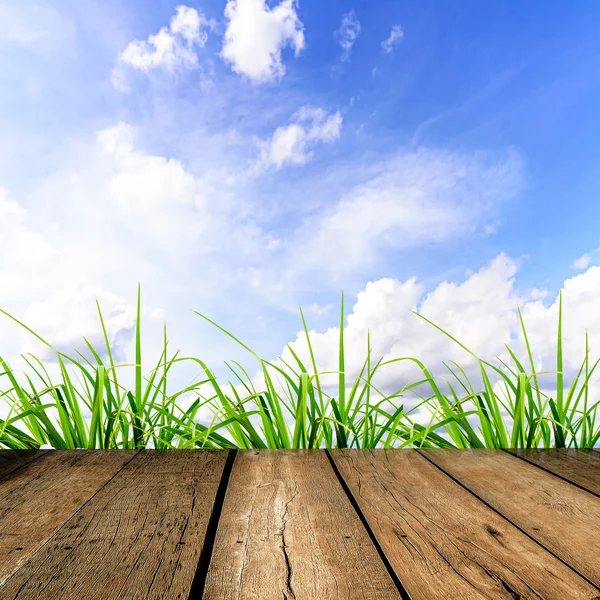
[87, 405]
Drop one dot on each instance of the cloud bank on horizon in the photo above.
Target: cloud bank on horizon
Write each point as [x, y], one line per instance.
[218, 153]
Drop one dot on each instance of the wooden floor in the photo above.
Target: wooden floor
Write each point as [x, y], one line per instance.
[265, 525]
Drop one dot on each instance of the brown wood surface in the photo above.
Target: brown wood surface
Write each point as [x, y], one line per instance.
[76, 525]
[11, 460]
[288, 531]
[38, 498]
[563, 518]
[442, 541]
[582, 467]
[139, 537]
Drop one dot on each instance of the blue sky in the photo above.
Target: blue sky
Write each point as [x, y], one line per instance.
[245, 171]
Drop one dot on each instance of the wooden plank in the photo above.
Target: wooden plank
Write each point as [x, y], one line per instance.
[37, 499]
[581, 467]
[442, 541]
[11, 460]
[139, 537]
[560, 516]
[288, 531]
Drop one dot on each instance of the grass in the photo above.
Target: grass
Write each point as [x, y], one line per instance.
[88, 404]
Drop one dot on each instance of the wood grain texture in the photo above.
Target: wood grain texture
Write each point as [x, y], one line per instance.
[11, 460]
[442, 541]
[139, 537]
[560, 516]
[42, 495]
[288, 531]
[581, 467]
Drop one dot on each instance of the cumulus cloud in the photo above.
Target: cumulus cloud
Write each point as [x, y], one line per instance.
[428, 196]
[395, 37]
[348, 33]
[480, 311]
[293, 143]
[256, 36]
[582, 262]
[173, 49]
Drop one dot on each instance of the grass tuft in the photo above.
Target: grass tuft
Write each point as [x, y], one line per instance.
[86, 403]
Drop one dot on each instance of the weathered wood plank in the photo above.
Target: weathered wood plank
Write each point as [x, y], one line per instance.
[560, 516]
[442, 541]
[38, 498]
[139, 537]
[11, 460]
[288, 531]
[581, 467]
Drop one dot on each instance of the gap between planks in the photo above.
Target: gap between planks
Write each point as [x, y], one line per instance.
[288, 529]
[198, 585]
[199, 581]
[13, 460]
[40, 496]
[572, 539]
[443, 541]
[401, 589]
[578, 467]
[141, 534]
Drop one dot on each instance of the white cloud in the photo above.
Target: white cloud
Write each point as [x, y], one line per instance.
[256, 36]
[582, 262]
[114, 214]
[23, 250]
[395, 37]
[348, 33]
[481, 312]
[69, 315]
[173, 49]
[293, 144]
[385, 308]
[580, 299]
[11, 213]
[164, 207]
[154, 195]
[428, 196]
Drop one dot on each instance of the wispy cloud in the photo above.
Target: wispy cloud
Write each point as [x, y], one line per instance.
[395, 37]
[422, 197]
[348, 33]
[582, 262]
[34, 25]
